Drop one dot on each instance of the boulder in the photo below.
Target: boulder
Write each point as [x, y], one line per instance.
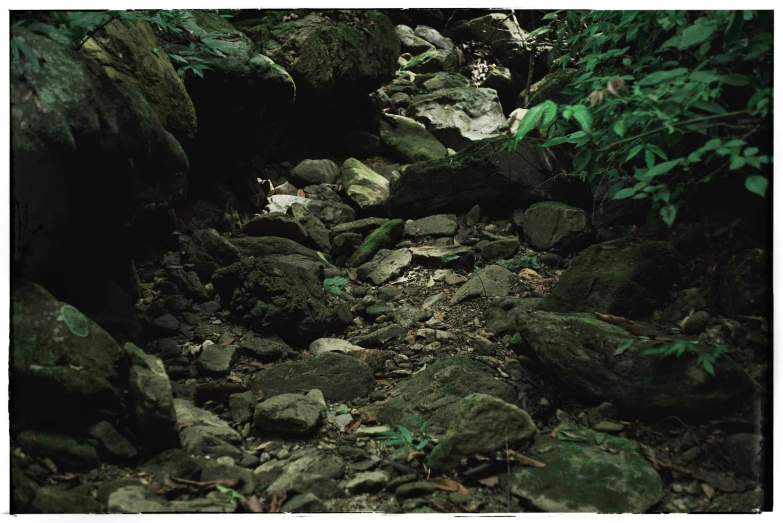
[619, 277]
[313, 172]
[432, 61]
[384, 266]
[409, 141]
[279, 225]
[507, 84]
[364, 186]
[329, 212]
[488, 282]
[459, 116]
[67, 453]
[436, 225]
[361, 227]
[339, 377]
[584, 353]
[434, 37]
[289, 414]
[209, 251]
[555, 225]
[316, 231]
[410, 42]
[484, 174]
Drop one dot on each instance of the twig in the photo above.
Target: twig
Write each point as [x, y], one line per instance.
[532, 55]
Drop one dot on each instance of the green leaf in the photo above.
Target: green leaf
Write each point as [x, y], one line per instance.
[634, 151]
[582, 159]
[659, 77]
[231, 492]
[423, 444]
[28, 53]
[599, 437]
[737, 162]
[619, 128]
[663, 168]
[757, 185]
[406, 434]
[583, 117]
[533, 118]
[627, 344]
[624, 193]
[734, 29]
[750, 151]
[710, 107]
[669, 214]
[696, 34]
[705, 76]
[658, 151]
[649, 158]
[627, 62]
[565, 436]
[556, 141]
[735, 79]
[321, 255]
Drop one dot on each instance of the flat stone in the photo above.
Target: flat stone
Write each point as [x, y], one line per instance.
[489, 282]
[265, 350]
[441, 256]
[217, 360]
[304, 504]
[436, 225]
[367, 482]
[291, 414]
[384, 266]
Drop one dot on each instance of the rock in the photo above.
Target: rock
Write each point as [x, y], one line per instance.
[434, 256]
[329, 212]
[435, 392]
[484, 174]
[687, 300]
[213, 471]
[63, 367]
[67, 453]
[502, 34]
[380, 337]
[384, 266]
[267, 294]
[473, 216]
[165, 325]
[555, 225]
[580, 350]
[697, 323]
[412, 43]
[432, 62]
[110, 443]
[745, 290]
[290, 414]
[489, 281]
[59, 500]
[376, 359]
[209, 251]
[367, 482]
[122, 48]
[189, 285]
[303, 504]
[437, 225]
[314, 461]
[434, 82]
[277, 224]
[217, 360]
[313, 172]
[400, 101]
[384, 237]
[360, 144]
[345, 244]
[415, 489]
[307, 483]
[265, 350]
[618, 277]
[500, 250]
[507, 84]
[458, 116]
[580, 476]
[242, 406]
[363, 185]
[316, 231]
[321, 192]
[481, 424]
[172, 463]
[205, 434]
[339, 377]
[361, 227]
[551, 87]
[135, 500]
[272, 245]
[434, 37]
[408, 140]
[408, 316]
[745, 452]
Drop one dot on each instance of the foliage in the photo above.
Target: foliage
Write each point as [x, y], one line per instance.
[706, 358]
[403, 437]
[333, 285]
[663, 101]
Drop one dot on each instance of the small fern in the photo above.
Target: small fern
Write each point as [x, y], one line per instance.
[403, 437]
[706, 358]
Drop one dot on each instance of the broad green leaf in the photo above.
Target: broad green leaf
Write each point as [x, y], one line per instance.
[529, 122]
[735, 79]
[737, 162]
[735, 143]
[321, 255]
[649, 158]
[28, 53]
[707, 364]
[669, 214]
[406, 434]
[627, 62]
[624, 193]
[663, 76]
[710, 107]
[634, 151]
[599, 437]
[757, 185]
[582, 159]
[557, 141]
[750, 151]
[623, 347]
[663, 168]
[705, 76]
[583, 117]
[423, 444]
[658, 151]
[734, 29]
[549, 114]
[619, 128]
[696, 34]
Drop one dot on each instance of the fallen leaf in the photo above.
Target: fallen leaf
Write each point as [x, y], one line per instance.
[300, 193]
[278, 497]
[413, 454]
[649, 453]
[449, 485]
[491, 481]
[252, 504]
[351, 427]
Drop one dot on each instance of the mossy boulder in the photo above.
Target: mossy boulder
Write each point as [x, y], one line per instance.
[128, 53]
[409, 141]
[364, 186]
[384, 237]
[618, 277]
[431, 61]
[602, 361]
[587, 471]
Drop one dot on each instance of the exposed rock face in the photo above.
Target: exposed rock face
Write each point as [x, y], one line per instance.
[459, 116]
[485, 175]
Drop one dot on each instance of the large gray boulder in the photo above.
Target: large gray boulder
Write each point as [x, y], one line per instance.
[290, 414]
[487, 175]
[410, 42]
[555, 225]
[209, 251]
[459, 116]
[364, 186]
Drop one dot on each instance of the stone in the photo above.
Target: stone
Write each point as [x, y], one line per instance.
[581, 351]
[364, 186]
[277, 224]
[410, 42]
[408, 316]
[490, 281]
[408, 140]
[555, 225]
[384, 266]
[500, 250]
[473, 216]
[214, 471]
[434, 37]
[745, 452]
[329, 212]
[289, 414]
[431, 61]
[384, 237]
[696, 323]
[153, 405]
[345, 244]
[415, 489]
[313, 172]
[361, 227]
[746, 292]
[265, 350]
[172, 463]
[188, 284]
[435, 393]
[458, 116]
[580, 476]
[441, 256]
[507, 84]
[67, 453]
[434, 82]
[307, 483]
[209, 251]
[552, 87]
[318, 234]
[619, 277]
[59, 500]
[135, 500]
[380, 337]
[436, 225]
[482, 424]
[367, 482]
[242, 406]
[303, 504]
[110, 443]
[272, 245]
[217, 360]
[314, 461]
[339, 377]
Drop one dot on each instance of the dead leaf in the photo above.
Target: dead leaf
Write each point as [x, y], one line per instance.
[491, 481]
[413, 454]
[351, 427]
[278, 497]
[449, 485]
[553, 434]
[75, 367]
[252, 504]
[301, 193]
[708, 490]
[649, 453]
[384, 383]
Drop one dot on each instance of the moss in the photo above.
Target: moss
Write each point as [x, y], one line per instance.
[75, 320]
[383, 237]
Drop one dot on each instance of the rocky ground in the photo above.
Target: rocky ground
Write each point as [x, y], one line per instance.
[432, 323]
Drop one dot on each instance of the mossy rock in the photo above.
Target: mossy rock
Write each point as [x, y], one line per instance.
[384, 237]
